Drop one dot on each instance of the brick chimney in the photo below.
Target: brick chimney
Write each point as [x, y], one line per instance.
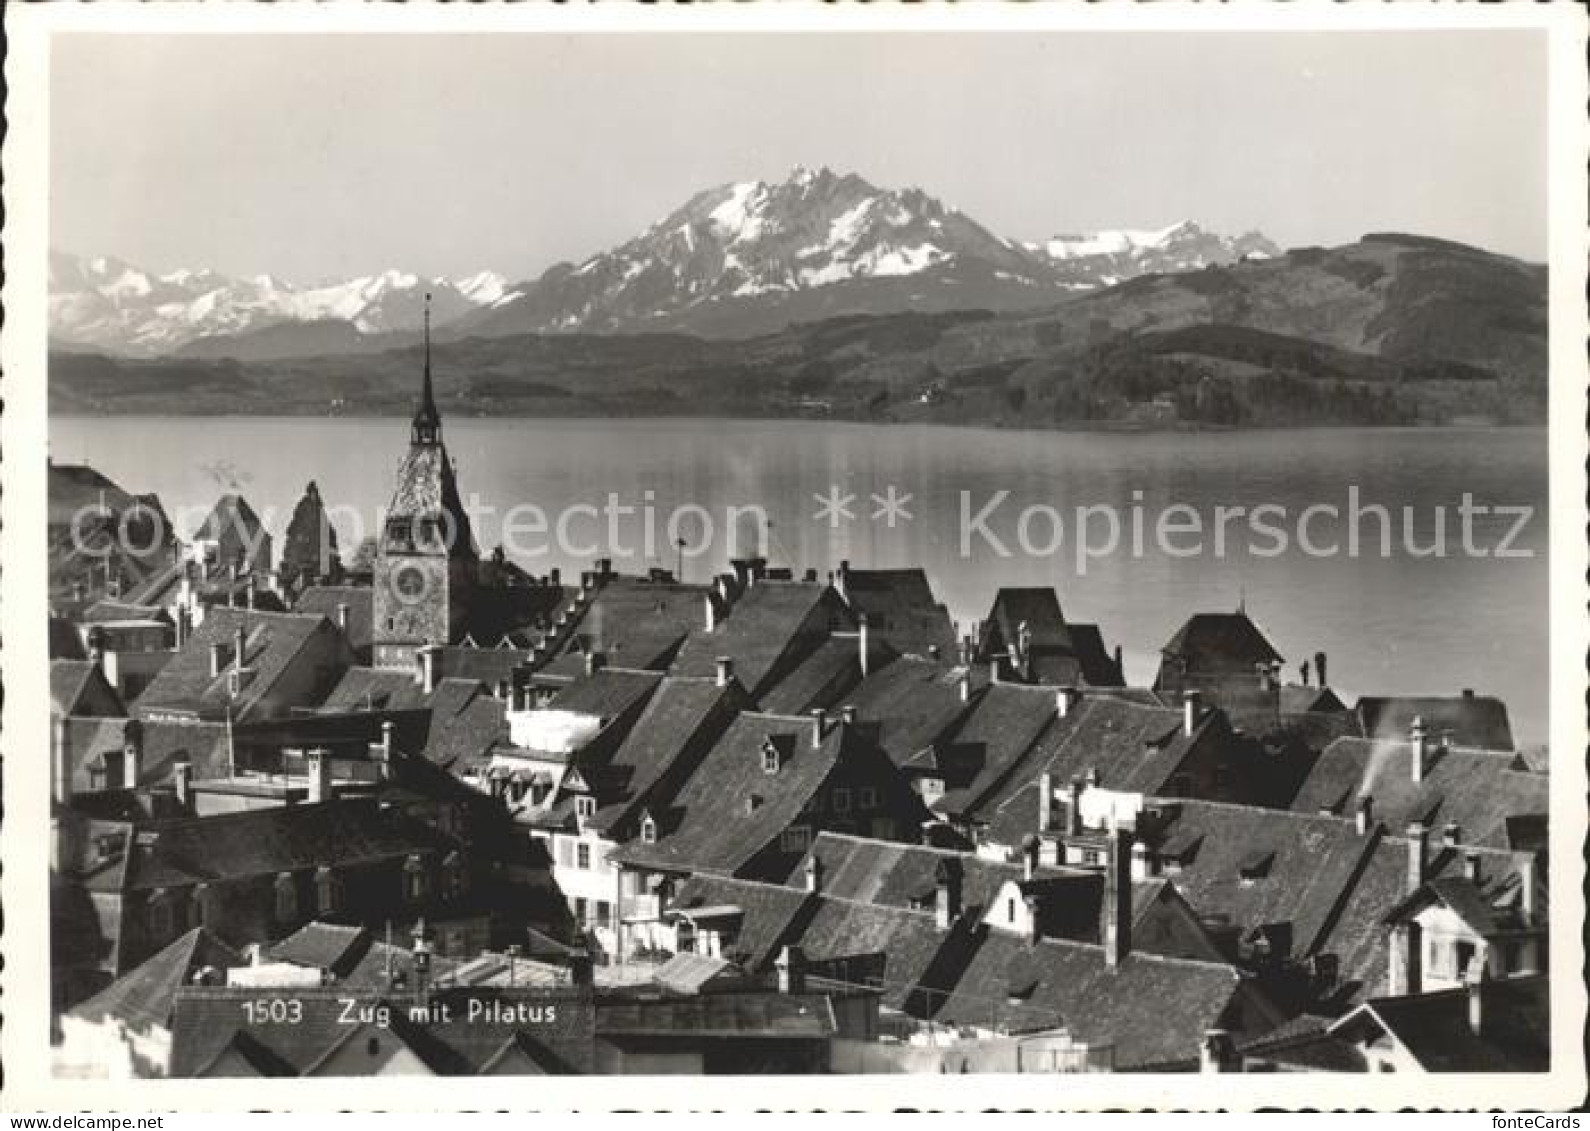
[712, 613]
[217, 659]
[425, 660]
[791, 966]
[1191, 712]
[861, 636]
[964, 685]
[947, 893]
[240, 647]
[132, 753]
[1420, 750]
[813, 871]
[344, 611]
[1471, 866]
[819, 726]
[63, 762]
[1066, 700]
[1366, 814]
[725, 669]
[1140, 865]
[96, 647]
[1526, 888]
[1418, 837]
[319, 771]
[384, 751]
[182, 781]
[1115, 931]
[1074, 807]
[1029, 856]
[595, 662]
[1451, 835]
[1045, 801]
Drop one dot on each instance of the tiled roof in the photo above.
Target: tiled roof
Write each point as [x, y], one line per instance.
[109, 611]
[310, 544]
[1153, 1010]
[710, 825]
[639, 623]
[910, 703]
[262, 842]
[65, 644]
[490, 666]
[1132, 748]
[762, 633]
[323, 600]
[825, 675]
[203, 745]
[1474, 720]
[1476, 789]
[231, 515]
[899, 875]
[1212, 642]
[1004, 724]
[607, 693]
[76, 685]
[274, 642]
[688, 973]
[1037, 608]
[467, 724]
[1515, 1036]
[683, 713]
[901, 610]
[375, 689]
[142, 997]
[772, 917]
[1310, 865]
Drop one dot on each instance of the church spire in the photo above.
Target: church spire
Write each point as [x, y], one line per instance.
[427, 421]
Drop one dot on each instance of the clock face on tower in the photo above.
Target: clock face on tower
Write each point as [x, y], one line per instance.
[409, 583]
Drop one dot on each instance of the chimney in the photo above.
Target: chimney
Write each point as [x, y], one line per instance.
[217, 659]
[817, 726]
[63, 762]
[963, 652]
[791, 965]
[250, 591]
[96, 647]
[1074, 808]
[1319, 668]
[1471, 867]
[319, 776]
[1034, 920]
[842, 579]
[947, 893]
[343, 611]
[1045, 801]
[182, 779]
[1066, 699]
[1366, 814]
[861, 634]
[1029, 856]
[1417, 837]
[1526, 888]
[725, 667]
[1416, 761]
[1140, 868]
[993, 667]
[847, 715]
[1191, 710]
[426, 658]
[1451, 835]
[240, 647]
[712, 613]
[595, 662]
[132, 753]
[384, 751]
[1216, 1053]
[964, 685]
[1116, 930]
[183, 626]
[814, 874]
[1474, 979]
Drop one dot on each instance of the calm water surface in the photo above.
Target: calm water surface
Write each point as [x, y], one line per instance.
[1395, 623]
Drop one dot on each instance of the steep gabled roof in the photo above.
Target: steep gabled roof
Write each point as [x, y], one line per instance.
[826, 674]
[1004, 724]
[1474, 720]
[731, 807]
[1477, 789]
[202, 745]
[771, 916]
[639, 623]
[1221, 641]
[76, 686]
[1153, 1010]
[901, 609]
[1036, 608]
[910, 704]
[1434, 1028]
[607, 693]
[274, 642]
[143, 997]
[325, 601]
[763, 631]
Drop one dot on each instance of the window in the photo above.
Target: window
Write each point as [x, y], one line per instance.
[796, 838]
[565, 853]
[770, 757]
[604, 913]
[932, 788]
[867, 798]
[582, 855]
[585, 806]
[1010, 910]
[841, 799]
[648, 830]
[1463, 953]
[579, 908]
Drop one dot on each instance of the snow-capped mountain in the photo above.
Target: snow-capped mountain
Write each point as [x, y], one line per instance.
[1115, 256]
[736, 260]
[753, 256]
[111, 305]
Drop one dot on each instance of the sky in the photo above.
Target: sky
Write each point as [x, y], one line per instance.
[321, 157]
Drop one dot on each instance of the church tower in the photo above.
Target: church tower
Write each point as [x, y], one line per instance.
[426, 560]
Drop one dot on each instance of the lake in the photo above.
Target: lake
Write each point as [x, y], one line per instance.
[986, 508]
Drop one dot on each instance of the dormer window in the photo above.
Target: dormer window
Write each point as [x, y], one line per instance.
[585, 807]
[770, 756]
[648, 830]
[1255, 866]
[399, 530]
